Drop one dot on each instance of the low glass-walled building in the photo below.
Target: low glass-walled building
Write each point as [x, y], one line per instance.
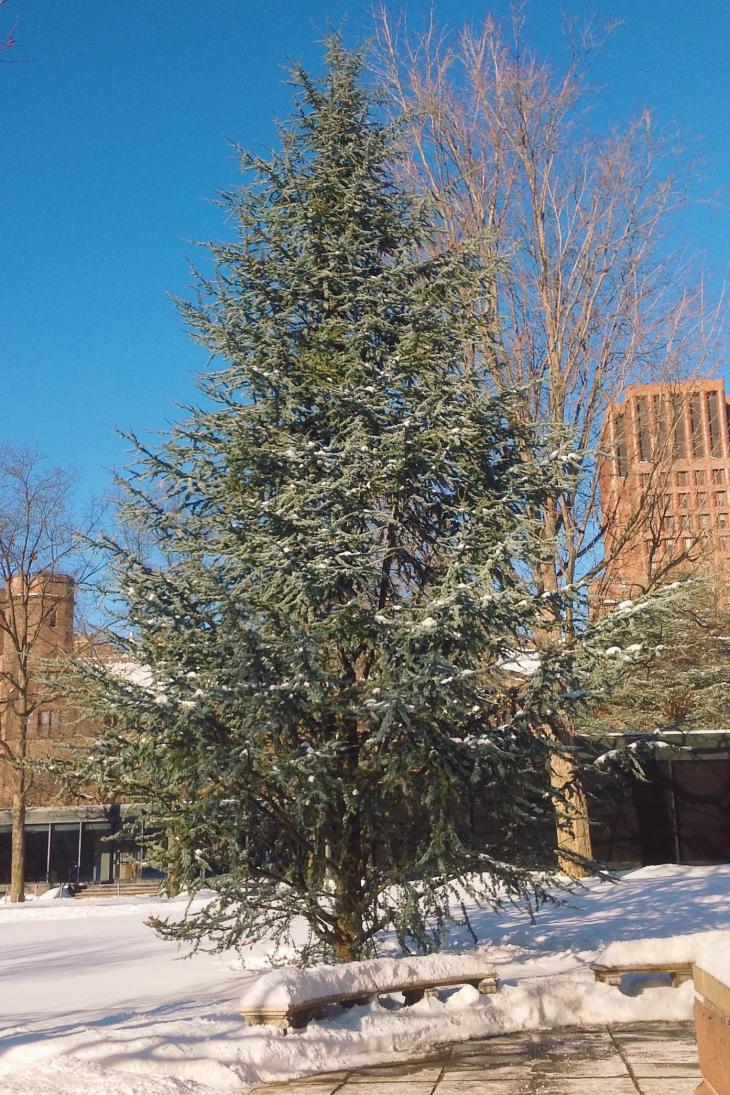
[74, 844]
[678, 813]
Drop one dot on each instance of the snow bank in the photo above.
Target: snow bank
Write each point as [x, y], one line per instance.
[715, 959]
[94, 1001]
[659, 951]
[289, 986]
[56, 893]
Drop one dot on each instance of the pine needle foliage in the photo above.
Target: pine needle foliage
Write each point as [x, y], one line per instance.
[341, 532]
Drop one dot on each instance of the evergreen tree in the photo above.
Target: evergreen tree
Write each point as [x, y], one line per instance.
[341, 533]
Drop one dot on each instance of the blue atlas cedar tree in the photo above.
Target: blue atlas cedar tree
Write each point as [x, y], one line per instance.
[326, 726]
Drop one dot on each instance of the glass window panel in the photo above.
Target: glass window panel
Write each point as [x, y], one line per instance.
[695, 417]
[680, 437]
[621, 454]
[713, 408]
[642, 423]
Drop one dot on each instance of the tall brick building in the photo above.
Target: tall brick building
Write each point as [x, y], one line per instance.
[64, 839]
[665, 495]
[45, 614]
[664, 482]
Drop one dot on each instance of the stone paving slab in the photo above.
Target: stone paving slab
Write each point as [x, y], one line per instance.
[640, 1059]
[671, 1052]
[569, 1085]
[485, 1087]
[486, 1070]
[669, 1086]
[356, 1087]
[398, 1074]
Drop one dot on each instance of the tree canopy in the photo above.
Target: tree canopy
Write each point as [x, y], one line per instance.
[320, 710]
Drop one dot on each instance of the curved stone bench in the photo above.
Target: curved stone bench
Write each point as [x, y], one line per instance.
[613, 974]
[291, 998]
[673, 954]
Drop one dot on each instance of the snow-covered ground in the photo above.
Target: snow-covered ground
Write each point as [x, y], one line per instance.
[93, 1001]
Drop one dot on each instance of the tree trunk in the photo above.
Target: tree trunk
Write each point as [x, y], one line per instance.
[17, 870]
[573, 834]
[348, 906]
[571, 809]
[173, 884]
[346, 952]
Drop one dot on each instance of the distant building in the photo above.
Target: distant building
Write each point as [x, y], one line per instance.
[678, 813]
[66, 840]
[664, 481]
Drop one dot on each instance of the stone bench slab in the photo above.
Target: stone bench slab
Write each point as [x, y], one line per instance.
[299, 1014]
[612, 975]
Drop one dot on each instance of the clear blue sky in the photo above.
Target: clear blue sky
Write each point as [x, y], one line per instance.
[115, 140]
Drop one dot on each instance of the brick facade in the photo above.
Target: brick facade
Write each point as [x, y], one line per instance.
[665, 484]
[49, 604]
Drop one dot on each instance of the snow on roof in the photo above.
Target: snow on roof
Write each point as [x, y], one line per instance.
[523, 663]
[132, 673]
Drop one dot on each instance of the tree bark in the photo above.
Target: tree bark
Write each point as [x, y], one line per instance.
[17, 871]
[571, 809]
[573, 832]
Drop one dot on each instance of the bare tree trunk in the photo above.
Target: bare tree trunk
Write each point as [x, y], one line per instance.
[570, 802]
[571, 809]
[17, 872]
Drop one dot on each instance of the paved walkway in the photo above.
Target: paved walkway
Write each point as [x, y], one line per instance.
[650, 1058]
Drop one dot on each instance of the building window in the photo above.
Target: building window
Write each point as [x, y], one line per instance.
[704, 520]
[724, 544]
[51, 619]
[670, 547]
[714, 423]
[622, 461]
[668, 523]
[718, 475]
[684, 501]
[682, 478]
[701, 498]
[642, 421]
[680, 439]
[684, 521]
[722, 520]
[695, 417]
[688, 542]
[720, 498]
[700, 478]
[667, 502]
[660, 423]
[48, 723]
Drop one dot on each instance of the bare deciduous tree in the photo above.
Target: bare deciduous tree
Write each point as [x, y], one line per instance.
[39, 559]
[589, 296]
[7, 37]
